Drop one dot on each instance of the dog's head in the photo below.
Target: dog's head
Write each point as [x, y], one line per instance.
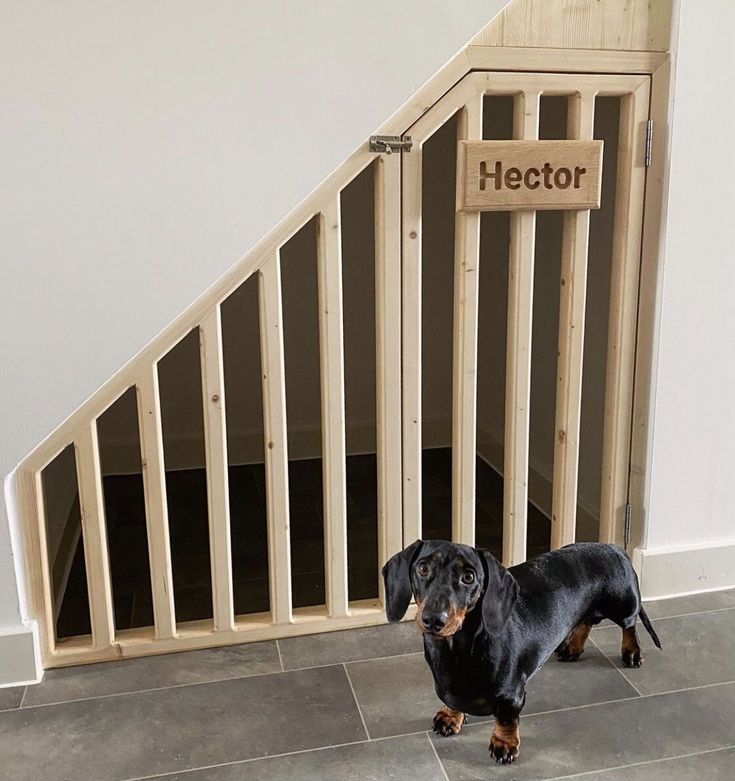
[448, 581]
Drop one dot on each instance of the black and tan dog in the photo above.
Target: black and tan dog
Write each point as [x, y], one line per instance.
[488, 629]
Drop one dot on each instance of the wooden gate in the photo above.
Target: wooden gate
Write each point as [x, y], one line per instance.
[526, 90]
[397, 208]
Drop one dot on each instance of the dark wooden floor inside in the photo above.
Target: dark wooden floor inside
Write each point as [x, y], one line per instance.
[188, 524]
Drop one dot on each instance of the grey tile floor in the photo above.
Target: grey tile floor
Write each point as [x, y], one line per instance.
[357, 705]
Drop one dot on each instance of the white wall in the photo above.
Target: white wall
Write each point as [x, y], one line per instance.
[145, 146]
[693, 478]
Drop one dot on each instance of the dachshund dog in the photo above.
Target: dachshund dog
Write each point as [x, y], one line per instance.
[488, 629]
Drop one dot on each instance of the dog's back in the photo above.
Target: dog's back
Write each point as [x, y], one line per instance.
[583, 583]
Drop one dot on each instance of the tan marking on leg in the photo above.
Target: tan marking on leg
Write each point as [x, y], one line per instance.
[505, 742]
[630, 649]
[448, 722]
[573, 646]
[578, 638]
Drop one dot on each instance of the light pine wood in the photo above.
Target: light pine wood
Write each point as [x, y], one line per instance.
[626, 259]
[411, 337]
[94, 533]
[30, 499]
[276, 446]
[215, 448]
[518, 358]
[512, 175]
[464, 383]
[604, 84]
[581, 24]
[412, 165]
[194, 635]
[573, 294]
[156, 505]
[488, 83]
[540, 60]
[649, 305]
[331, 351]
[387, 186]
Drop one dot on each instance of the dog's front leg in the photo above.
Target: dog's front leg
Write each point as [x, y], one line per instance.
[448, 722]
[505, 742]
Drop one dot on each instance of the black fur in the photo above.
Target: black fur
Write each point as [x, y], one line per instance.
[512, 619]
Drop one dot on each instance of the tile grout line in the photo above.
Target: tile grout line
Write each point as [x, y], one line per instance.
[167, 773]
[612, 664]
[685, 615]
[357, 704]
[626, 699]
[433, 748]
[642, 762]
[280, 658]
[333, 664]
[355, 661]
[214, 680]
[327, 664]
[337, 664]
[248, 760]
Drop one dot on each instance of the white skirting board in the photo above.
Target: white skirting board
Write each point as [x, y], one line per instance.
[20, 661]
[676, 572]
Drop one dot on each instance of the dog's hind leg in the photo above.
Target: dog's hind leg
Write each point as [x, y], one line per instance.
[573, 647]
[448, 722]
[631, 650]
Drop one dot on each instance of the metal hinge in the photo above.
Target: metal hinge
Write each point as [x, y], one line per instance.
[626, 528]
[649, 142]
[389, 144]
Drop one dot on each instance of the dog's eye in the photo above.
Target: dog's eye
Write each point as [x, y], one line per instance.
[423, 569]
[468, 578]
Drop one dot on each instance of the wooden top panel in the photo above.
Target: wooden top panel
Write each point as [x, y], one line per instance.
[634, 25]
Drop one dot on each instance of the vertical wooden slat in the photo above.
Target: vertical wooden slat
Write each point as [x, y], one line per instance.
[411, 328]
[94, 534]
[276, 448]
[464, 382]
[626, 257]
[573, 292]
[39, 592]
[518, 361]
[156, 507]
[215, 448]
[387, 173]
[331, 351]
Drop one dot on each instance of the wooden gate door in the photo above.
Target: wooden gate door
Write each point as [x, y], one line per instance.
[463, 106]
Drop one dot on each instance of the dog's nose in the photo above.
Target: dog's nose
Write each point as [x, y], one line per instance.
[434, 621]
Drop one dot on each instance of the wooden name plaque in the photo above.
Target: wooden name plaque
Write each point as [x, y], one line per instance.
[511, 175]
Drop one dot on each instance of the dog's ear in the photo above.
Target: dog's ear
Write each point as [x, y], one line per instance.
[397, 578]
[499, 594]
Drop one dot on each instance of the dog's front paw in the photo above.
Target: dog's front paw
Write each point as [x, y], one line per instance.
[448, 722]
[505, 743]
[502, 752]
